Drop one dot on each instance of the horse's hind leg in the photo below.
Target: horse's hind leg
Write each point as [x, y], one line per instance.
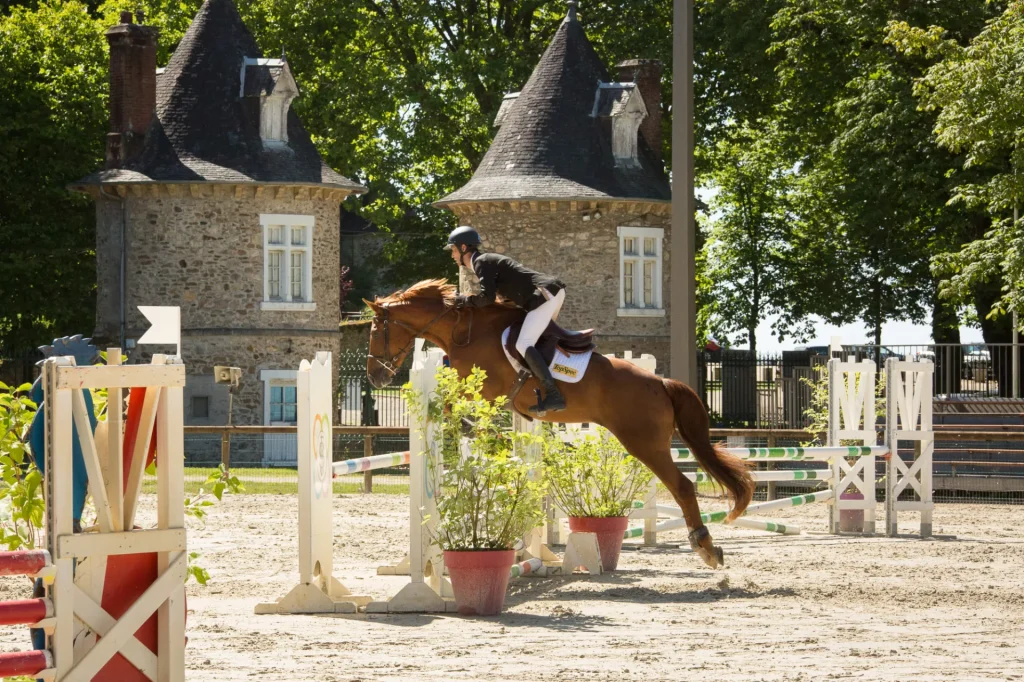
[659, 461]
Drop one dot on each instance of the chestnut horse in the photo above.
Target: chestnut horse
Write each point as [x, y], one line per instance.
[640, 409]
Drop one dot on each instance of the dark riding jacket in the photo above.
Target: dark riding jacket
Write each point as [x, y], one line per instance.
[500, 275]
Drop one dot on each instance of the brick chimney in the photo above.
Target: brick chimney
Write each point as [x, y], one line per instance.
[132, 87]
[646, 73]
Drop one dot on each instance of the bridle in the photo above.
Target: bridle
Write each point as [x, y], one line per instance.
[391, 362]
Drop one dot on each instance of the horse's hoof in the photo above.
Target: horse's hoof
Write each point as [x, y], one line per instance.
[713, 557]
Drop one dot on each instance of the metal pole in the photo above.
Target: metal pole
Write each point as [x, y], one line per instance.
[225, 437]
[1015, 363]
[683, 270]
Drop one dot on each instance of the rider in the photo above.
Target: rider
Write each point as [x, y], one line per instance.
[540, 295]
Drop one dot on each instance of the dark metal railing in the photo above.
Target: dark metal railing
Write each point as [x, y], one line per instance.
[359, 403]
[771, 391]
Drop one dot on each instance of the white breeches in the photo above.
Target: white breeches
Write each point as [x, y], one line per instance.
[537, 320]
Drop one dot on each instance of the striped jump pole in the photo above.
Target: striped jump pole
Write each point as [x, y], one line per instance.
[528, 567]
[766, 476]
[791, 454]
[770, 526]
[24, 562]
[719, 517]
[352, 466]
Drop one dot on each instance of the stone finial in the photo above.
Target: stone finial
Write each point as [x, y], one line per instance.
[571, 15]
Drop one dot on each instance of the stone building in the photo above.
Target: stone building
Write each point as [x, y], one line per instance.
[214, 199]
[573, 185]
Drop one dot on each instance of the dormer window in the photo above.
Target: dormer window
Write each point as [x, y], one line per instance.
[622, 105]
[506, 106]
[271, 81]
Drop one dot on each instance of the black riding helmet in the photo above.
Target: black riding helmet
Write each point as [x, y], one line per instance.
[463, 236]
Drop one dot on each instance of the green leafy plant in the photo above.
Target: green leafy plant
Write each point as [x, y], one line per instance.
[488, 497]
[219, 482]
[594, 477]
[21, 499]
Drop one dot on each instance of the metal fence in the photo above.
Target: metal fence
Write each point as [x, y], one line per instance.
[768, 390]
[359, 403]
[19, 366]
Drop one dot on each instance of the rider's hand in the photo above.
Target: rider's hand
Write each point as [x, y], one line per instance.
[461, 301]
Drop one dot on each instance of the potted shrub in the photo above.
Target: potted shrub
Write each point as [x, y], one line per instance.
[487, 497]
[595, 481]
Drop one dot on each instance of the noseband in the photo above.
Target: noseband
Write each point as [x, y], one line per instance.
[389, 360]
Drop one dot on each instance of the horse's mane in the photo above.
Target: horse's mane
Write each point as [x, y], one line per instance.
[432, 289]
[427, 289]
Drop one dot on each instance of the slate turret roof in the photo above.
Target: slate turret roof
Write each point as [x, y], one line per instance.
[205, 131]
[550, 145]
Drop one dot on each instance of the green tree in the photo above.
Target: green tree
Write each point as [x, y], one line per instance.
[52, 123]
[874, 182]
[749, 232]
[975, 90]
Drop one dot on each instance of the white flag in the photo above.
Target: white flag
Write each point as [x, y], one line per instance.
[166, 325]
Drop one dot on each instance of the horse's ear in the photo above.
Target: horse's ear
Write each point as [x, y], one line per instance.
[370, 304]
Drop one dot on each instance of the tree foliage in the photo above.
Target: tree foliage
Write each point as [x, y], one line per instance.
[976, 91]
[52, 118]
[873, 116]
[868, 207]
[749, 233]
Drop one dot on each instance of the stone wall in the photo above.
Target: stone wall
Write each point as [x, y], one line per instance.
[585, 255]
[205, 254]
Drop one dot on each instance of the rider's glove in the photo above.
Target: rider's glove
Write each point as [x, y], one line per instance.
[461, 301]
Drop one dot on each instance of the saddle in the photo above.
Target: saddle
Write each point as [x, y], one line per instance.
[554, 338]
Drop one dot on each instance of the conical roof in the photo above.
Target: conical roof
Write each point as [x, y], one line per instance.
[551, 146]
[205, 131]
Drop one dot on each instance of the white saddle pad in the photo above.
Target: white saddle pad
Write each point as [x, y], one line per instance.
[565, 367]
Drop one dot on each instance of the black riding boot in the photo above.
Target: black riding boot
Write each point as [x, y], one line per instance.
[553, 400]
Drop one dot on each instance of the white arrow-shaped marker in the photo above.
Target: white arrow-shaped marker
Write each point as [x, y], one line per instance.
[166, 325]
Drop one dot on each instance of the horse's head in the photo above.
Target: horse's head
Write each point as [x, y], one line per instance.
[397, 322]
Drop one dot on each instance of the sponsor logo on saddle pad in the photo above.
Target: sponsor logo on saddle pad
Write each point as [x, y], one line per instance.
[562, 369]
[567, 368]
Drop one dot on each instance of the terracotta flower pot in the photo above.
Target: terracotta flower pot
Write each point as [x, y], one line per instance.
[479, 579]
[609, 530]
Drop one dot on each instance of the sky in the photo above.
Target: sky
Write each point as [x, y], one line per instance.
[893, 334]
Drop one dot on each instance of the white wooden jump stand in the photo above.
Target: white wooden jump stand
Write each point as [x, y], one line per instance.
[82, 636]
[851, 417]
[318, 591]
[909, 418]
[428, 590]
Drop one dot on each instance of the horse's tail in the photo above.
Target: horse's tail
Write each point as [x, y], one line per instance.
[727, 470]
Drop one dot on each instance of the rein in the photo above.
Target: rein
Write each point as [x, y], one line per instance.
[383, 318]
